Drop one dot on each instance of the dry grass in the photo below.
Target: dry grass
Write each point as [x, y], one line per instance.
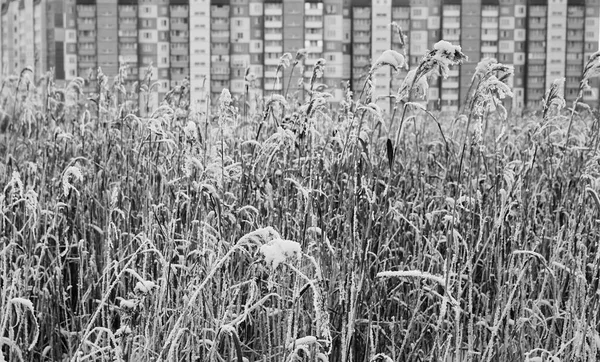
[164, 237]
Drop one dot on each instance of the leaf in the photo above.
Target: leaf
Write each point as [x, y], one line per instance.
[390, 152]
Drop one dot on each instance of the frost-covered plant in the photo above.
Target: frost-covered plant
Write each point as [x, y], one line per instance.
[491, 89]
[443, 55]
[401, 36]
[554, 97]
[277, 251]
[391, 58]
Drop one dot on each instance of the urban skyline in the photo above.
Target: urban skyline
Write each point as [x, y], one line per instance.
[214, 43]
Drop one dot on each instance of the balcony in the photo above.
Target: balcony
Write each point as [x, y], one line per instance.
[312, 36]
[451, 25]
[86, 26]
[179, 26]
[449, 84]
[273, 36]
[273, 11]
[179, 39]
[220, 26]
[451, 12]
[273, 49]
[219, 11]
[127, 12]
[180, 64]
[362, 27]
[184, 50]
[177, 12]
[273, 24]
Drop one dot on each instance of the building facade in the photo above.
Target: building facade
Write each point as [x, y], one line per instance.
[238, 45]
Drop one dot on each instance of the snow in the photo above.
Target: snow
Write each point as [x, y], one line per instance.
[127, 303]
[411, 273]
[391, 58]
[144, 286]
[446, 46]
[225, 98]
[278, 250]
[308, 340]
[24, 302]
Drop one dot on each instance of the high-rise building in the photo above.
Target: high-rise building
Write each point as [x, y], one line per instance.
[219, 47]
[238, 45]
[199, 53]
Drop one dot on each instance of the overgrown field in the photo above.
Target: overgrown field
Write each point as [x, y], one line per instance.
[280, 233]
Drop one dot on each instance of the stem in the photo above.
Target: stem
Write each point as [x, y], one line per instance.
[571, 118]
[289, 80]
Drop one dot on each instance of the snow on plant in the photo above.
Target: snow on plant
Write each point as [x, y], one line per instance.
[483, 67]
[20, 306]
[401, 36]
[300, 55]
[14, 187]
[554, 97]
[443, 55]
[301, 344]
[71, 173]
[278, 250]
[381, 357]
[317, 73]
[391, 58]
[411, 84]
[591, 70]
[144, 286]
[31, 202]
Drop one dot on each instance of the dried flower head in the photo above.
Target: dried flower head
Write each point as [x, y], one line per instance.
[443, 55]
[71, 173]
[300, 55]
[225, 99]
[14, 188]
[401, 35]
[391, 58]
[483, 67]
[417, 87]
[591, 70]
[489, 95]
[285, 60]
[554, 97]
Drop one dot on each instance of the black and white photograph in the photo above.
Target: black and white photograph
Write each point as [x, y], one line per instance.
[300, 180]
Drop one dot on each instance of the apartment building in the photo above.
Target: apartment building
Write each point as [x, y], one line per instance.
[179, 45]
[361, 44]
[591, 39]
[294, 22]
[450, 90]
[127, 41]
[333, 47]
[313, 40]
[219, 47]
[256, 50]
[199, 53]
[273, 45]
[215, 44]
[401, 17]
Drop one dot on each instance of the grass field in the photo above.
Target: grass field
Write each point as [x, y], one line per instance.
[287, 233]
